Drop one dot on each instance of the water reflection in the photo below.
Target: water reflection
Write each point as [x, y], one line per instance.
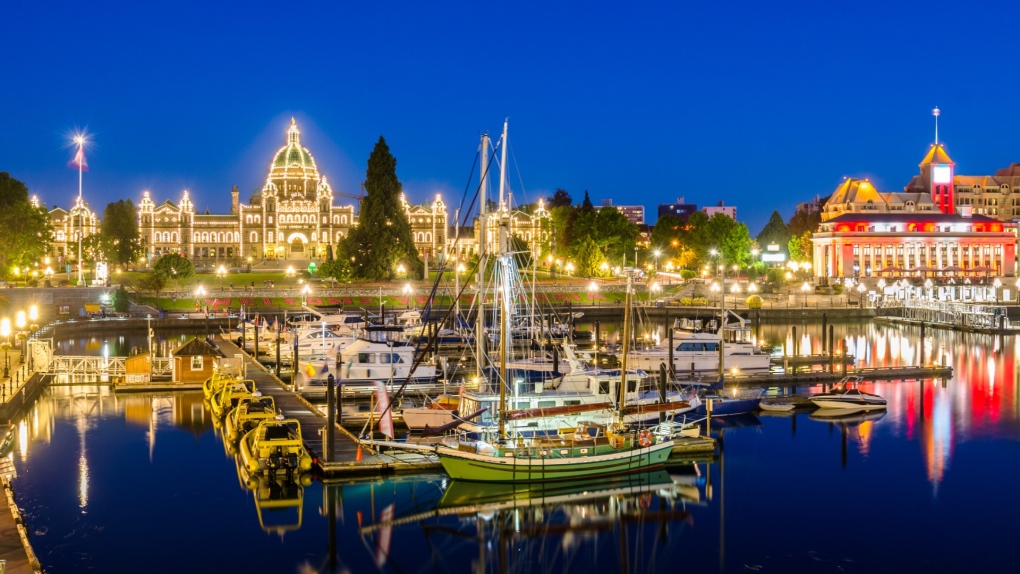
[622, 523]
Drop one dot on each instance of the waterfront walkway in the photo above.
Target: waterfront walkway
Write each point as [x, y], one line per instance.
[345, 460]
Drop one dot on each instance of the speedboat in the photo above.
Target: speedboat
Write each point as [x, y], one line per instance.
[776, 405]
[273, 445]
[846, 396]
[248, 414]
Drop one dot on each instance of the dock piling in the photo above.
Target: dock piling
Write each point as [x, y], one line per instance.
[327, 456]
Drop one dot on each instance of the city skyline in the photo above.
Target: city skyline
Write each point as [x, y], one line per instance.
[640, 106]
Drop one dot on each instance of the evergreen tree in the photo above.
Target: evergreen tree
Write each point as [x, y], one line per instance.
[559, 199]
[806, 220]
[121, 303]
[800, 247]
[174, 267]
[120, 232]
[775, 231]
[586, 206]
[25, 231]
[382, 239]
[336, 269]
[329, 252]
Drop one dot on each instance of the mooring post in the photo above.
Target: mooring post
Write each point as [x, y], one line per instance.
[598, 339]
[794, 337]
[825, 322]
[662, 390]
[669, 341]
[920, 348]
[831, 346]
[330, 418]
[842, 355]
[256, 339]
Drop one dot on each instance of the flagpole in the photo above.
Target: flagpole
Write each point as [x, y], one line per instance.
[81, 223]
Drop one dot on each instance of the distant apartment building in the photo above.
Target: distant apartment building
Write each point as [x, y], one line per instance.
[727, 210]
[681, 209]
[634, 213]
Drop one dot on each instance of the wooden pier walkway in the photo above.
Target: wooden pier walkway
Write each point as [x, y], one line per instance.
[345, 461]
[906, 373]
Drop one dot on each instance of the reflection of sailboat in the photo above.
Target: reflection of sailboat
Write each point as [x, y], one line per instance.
[279, 497]
[571, 516]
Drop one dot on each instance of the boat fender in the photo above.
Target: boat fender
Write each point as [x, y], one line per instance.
[616, 441]
[645, 438]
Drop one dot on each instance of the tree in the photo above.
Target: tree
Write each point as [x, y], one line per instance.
[775, 231]
[336, 269]
[382, 239]
[561, 222]
[590, 259]
[800, 247]
[25, 230]
[586, 206]
[172, 266]
[611, 231]
[120, 232]
[121, 303]
[806, 220]
[736, 245]
[154, 282]
[559, 199]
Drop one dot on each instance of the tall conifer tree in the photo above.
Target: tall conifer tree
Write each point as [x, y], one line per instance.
[382, 239]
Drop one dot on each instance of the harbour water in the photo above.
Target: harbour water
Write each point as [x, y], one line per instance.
[128, 483]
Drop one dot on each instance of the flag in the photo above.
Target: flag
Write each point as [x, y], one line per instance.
[382, 403]
[78, 161]
[310, 369]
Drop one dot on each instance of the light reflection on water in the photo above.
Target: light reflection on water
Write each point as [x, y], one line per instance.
[151, 471]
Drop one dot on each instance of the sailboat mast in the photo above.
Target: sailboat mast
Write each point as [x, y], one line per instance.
[622, 392]
[506, 293]
[482, 241]
[722, 317]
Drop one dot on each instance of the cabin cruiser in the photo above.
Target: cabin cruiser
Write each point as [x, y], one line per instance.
[696, 348]
[317, 341]
[845, 395]
[381, 353]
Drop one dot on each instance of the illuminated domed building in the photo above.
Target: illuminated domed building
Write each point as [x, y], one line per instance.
[291, 217]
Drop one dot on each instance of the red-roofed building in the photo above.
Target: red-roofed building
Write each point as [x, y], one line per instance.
[941, 225]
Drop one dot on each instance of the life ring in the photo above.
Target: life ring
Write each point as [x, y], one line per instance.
[645, 438]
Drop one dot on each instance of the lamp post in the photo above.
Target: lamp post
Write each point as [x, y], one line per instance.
[249, 264]
[221, 272]
[656, 254]
[655, 288]
[804, 288]
[736, 291]
[33, 316]
[715, 289]
[997, 284]
[305, 292]
[5, 332]
[593, 288]
[569, 268]
[21, 322]
[200, 292]
[860, 290]
[604, 268]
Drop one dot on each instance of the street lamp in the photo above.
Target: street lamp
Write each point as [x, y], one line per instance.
[860, 292]
[221, 271]
[5, 332]
[804, 288]
[655, 288]
[997, 284]
[17, 273]
[715, 289]
[604, 268]
[569, 268]
[656, 253]
[21, 322]
[735, 290]
[593, 288]
[249, 264]
[305, 292]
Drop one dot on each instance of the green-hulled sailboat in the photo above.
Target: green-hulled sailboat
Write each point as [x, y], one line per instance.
[591, 451]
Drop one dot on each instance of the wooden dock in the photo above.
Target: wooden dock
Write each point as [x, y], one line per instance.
[15, 550]
[344, 460]
[906, 373]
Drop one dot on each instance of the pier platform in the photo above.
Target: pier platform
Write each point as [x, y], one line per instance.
[907, 373]
[345, 461]
[15, 550]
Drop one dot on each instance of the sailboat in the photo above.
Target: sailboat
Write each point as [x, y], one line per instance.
[592, 450]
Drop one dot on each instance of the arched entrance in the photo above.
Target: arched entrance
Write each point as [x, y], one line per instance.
[298, 246]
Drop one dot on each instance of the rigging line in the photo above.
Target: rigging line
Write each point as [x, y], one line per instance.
[517, 168]
[434, 337]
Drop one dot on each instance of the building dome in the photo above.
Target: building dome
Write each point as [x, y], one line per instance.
[293, 168]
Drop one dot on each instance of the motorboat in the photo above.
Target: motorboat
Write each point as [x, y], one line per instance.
[229, 397]
[776, 405]
[380, 354]
[248, 414]
[846, 395]
[696, 348]
[274, 445]
[716, 403]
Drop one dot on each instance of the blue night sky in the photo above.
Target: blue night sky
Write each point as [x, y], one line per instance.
[759, 104]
